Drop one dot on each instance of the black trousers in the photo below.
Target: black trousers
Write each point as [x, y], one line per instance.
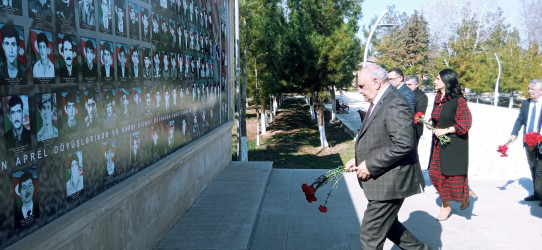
[380, 222]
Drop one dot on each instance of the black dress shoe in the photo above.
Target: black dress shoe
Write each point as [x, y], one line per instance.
[531, 198]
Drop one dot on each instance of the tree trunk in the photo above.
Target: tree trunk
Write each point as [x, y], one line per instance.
[263, 120]
[257, 126]
[311, 105]
[333, 106]
[271, 110]
[321, 127]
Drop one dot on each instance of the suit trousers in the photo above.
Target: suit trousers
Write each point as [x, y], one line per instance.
[380, 222]
[533, 166]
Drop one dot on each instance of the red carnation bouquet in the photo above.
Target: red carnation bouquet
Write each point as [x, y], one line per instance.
[532, 138]
[503, 148]
[420, 117]
[310, 190]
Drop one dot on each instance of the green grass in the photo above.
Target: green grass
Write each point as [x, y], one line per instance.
[293, 140]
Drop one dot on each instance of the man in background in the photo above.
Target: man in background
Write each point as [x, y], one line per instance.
[396, 79]
[17, 135]
[420, 102]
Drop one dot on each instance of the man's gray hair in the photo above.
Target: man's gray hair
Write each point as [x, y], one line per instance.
[375, 71]
[537, 83]
[412, 78]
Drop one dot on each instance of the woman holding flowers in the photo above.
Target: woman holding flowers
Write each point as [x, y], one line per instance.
[448, 166]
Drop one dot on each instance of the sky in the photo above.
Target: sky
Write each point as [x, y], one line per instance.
[372, 8]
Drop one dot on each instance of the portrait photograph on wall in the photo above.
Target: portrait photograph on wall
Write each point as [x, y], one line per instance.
[46, 114]
[85, 9]
[68, 62]
[90, 60]
[74, 175]
[26, 205]
[123, 69]
[40, 10]
[107, 56]
[12, 7]
[65, 12]
[120, 18]
[43, 69]
[133, 20]
[12, 57]
[105, 16]
[17, 129]
[71, 110]
[110, 85]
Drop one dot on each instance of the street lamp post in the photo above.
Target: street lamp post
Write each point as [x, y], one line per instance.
[496, 94]
[371, 36]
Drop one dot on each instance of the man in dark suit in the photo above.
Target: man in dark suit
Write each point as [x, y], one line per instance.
[530, 118]
[396, 78]
[69, 69]
[107, 67]
[385, 161]
[18, 135]
[28, 210]
[420, 102]
[89, 68]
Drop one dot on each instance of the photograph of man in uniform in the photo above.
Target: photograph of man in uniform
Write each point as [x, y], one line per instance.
[47, 127]
[74, 174]
[147, 71]
[67, 48]
[106, 70]
[42, 56]
[13, 7]
[120, 8]
[157, 69]
[148, 101]
[86, 14]
[171, 134]
[110, 118]
[122, 62]
[124, 101]
[134, 150]
[70, 106]
[135, 68]
[137, 102]
[65, 10]
[26, 199]
[12, 59]
[155, 28]
[109, 161]
[88, 48]
[133, 9]
[145, 28]
[166, 97]
[91, 107]
[16, 122]
[173, 71]
[164, 32]
[172, 34]
[39, 9]
[104, 16]
[155, 144]
[165, 69]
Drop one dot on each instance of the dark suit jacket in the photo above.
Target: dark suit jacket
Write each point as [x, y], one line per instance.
[19, 218]
[386, 143]
[111, 72]
[26, 138]
[522, 119]
[64, 72]
[87, 72]
[406, 92]
[420, 105]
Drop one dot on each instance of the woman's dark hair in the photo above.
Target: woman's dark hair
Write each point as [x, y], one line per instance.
[449, 77]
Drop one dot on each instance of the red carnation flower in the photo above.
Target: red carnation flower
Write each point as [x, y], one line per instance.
[532, 138]
[322, 209]
[502, 149]
[419, 117]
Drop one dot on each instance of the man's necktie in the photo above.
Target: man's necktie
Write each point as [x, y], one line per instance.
[369, 110]
[533, 116]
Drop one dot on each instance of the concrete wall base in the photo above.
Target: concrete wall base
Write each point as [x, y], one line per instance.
[138, 212]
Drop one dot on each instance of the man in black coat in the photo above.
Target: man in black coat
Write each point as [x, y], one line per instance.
[420, 102]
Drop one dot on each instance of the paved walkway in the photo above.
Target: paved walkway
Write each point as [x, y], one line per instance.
[498, 218]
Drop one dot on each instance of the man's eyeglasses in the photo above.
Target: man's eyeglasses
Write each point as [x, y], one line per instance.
[395, 78]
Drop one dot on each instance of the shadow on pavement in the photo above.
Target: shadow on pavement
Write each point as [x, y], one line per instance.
[425, 227]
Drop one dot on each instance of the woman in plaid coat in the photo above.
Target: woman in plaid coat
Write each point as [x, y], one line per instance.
[448, 166]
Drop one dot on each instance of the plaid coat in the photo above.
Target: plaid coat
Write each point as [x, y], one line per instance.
[386, 142]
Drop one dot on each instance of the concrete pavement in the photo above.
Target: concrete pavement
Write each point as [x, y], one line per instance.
[497, 218]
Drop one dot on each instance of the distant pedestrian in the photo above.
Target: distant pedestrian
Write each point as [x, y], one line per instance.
[420, 102]
[449, 163]
[529, 118]
[385, 161]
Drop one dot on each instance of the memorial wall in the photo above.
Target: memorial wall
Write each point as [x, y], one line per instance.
[94, 91]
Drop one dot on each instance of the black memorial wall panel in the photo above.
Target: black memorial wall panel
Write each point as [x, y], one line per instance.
[93, 91]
